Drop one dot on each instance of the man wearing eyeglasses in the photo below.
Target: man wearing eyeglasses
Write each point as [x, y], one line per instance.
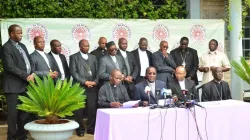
[110, 62]
[164, 63]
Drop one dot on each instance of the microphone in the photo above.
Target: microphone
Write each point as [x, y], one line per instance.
[195, 103]
[167, 93]
[147, 91]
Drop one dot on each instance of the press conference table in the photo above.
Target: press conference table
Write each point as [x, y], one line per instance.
[226, 120]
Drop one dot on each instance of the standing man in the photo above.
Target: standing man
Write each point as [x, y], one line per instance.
[84, 69]
[131, 67]
[42, 63]
[211, 60]
[164, 63]
[110, 62]
[188, 58]
[143, 58]
[59, 59]
[181, 83]
[101, 50]
[17, 72]
[217, 89]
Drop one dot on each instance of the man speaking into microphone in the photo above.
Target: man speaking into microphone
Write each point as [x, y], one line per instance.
[147, 90]
[184, 88]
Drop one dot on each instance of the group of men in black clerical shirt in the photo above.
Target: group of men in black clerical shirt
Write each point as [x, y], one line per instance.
[109, 75]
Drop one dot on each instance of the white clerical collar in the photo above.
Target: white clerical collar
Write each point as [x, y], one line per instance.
[41, 52]
[181, 80]
[54, 54]
[124, 54]
[85, 56]
[140, 51]
[150, 83]
[213, 52]
[217, 82]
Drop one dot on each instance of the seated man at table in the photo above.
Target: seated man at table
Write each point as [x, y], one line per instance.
[113, 94]
[181, 84]
[216, 89]
[151, 82]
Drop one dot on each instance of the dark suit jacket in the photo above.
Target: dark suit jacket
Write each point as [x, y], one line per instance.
[64, 63]
[133, 70]
[164, 66]
[40, 66]
[210, 93]
[15, 72]
[107, 65]
[189, 85]
[140, 94]
[79, 68]
[137, 60]
[192, 62]
[99, 53]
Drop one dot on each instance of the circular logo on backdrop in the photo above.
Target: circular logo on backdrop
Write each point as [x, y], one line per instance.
[65, 51]
[220, 47]
[160, 33]
[121, 31]
[37, 30]
[197, 33]
[79, 32]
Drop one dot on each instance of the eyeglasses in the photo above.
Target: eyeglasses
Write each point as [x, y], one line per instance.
[113, 49]
[164, 46]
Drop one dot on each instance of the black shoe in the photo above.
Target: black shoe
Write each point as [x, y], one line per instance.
[92, 132]
[80, 134]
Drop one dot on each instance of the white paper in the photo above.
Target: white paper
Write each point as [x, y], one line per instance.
[130, 104]
[163, 102]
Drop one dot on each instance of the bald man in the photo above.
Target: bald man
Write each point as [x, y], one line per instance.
[181, 84]
[84, 69]
[101, 50]
[143, 59]
[164, 63]
[59, 59]
[113, 94]
[217, 89]
[42, 63]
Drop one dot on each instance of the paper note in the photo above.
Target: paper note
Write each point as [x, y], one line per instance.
[130, 104]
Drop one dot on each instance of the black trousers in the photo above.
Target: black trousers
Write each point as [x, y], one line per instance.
[90, 109]
[16, 119]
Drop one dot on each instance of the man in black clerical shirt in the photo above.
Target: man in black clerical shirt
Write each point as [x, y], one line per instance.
[216, 89]
[113, 94]
[101, 50]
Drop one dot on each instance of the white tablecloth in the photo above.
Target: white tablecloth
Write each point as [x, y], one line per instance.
[226, 120]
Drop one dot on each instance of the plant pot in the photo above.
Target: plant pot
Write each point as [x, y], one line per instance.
[51, 131]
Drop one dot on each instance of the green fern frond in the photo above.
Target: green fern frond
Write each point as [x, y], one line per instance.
[242, 69]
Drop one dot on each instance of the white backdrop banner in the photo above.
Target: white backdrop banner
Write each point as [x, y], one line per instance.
[70, 31]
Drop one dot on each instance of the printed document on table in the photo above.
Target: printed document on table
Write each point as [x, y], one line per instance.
[130, 104]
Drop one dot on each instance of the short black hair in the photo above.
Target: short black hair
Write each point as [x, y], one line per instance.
[12, 28]
[184, 38]
[216, 42]
[52, 42]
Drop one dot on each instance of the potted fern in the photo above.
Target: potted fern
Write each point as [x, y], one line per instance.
[52, 102]
[242, 69]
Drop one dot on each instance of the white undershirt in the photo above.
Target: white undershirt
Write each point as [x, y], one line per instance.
[152, 87]
[60, 65]
[44, 57]
[113, 58]
[84, 56]
[143, 61]
[182, 84]
[124, 54]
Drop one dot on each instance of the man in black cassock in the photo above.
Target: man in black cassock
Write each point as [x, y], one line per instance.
[84, 69]
[113, 94]
[187, 57]
[216, 89]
